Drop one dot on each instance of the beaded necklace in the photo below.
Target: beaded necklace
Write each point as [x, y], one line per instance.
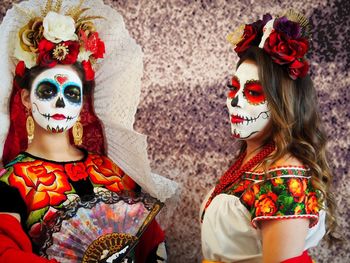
[237, 170]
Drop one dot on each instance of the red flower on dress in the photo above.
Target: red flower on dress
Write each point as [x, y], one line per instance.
[242, 186]
[297, 187]
[103, 171]
[277, 181]
[249, 196]
[76, 171]
[249, 35]
[298, 209]
[40, 183]
[311, 203]
[266, 205]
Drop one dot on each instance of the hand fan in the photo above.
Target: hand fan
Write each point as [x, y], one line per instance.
[103, 228]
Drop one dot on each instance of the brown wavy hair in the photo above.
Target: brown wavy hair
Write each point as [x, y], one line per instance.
[296, 125]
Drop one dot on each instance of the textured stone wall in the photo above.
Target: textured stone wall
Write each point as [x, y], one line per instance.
[187, 64]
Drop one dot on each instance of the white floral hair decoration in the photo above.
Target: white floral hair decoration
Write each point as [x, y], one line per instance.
[53, 38]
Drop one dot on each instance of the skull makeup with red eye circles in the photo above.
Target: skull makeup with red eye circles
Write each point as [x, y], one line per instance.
[246, 103]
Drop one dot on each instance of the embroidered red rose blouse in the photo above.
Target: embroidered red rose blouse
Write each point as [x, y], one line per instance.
[230, 230]
[46, 185]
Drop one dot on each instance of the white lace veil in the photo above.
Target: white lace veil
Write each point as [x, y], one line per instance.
[117, 91]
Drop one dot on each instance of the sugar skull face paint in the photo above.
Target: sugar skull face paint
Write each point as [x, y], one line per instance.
[246, 103]
[56, 98]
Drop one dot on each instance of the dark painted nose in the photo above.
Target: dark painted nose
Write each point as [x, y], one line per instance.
[234, 102]
[60, 103]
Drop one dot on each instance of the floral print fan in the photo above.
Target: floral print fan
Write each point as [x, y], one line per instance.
[102, 229]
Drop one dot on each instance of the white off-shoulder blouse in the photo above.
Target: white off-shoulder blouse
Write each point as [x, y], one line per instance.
[229, 230]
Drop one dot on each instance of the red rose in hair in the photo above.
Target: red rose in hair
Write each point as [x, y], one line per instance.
[248, 36]
[100, 50]
[64, 53]
[284, 50]
[89, 72]
[45, 58]
[71, 57]
[93, 44]
[298, 69]
[266, 205]
[76, 171]
[20, 69]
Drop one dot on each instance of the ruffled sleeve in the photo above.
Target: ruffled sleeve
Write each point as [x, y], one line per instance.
[286, 194]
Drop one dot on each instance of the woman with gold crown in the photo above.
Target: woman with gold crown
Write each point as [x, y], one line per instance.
[270, 205]
[75, 75]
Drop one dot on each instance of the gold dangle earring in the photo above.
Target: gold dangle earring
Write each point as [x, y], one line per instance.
[78, 132]
[30, 127]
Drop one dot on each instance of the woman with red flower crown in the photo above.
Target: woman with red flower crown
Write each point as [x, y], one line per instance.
[58, 167]
[269, 206]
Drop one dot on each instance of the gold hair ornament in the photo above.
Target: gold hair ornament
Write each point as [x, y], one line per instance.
[236, 36]
[294, 16]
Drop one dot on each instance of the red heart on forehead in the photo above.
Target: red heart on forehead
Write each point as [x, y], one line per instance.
[61, 79]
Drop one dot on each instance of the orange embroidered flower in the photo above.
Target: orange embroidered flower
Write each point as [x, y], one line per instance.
[103, 171]
[76, 171]
[40, 183]
[297, 210]
[266, 205]
[277, 181]
[249, 196]
[297, 187]
[242, 186]
[311, 203]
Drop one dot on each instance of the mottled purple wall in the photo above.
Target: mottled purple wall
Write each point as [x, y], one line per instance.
[182, 110]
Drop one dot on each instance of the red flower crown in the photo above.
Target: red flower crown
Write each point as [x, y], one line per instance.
[283, 38]
[52, 38]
